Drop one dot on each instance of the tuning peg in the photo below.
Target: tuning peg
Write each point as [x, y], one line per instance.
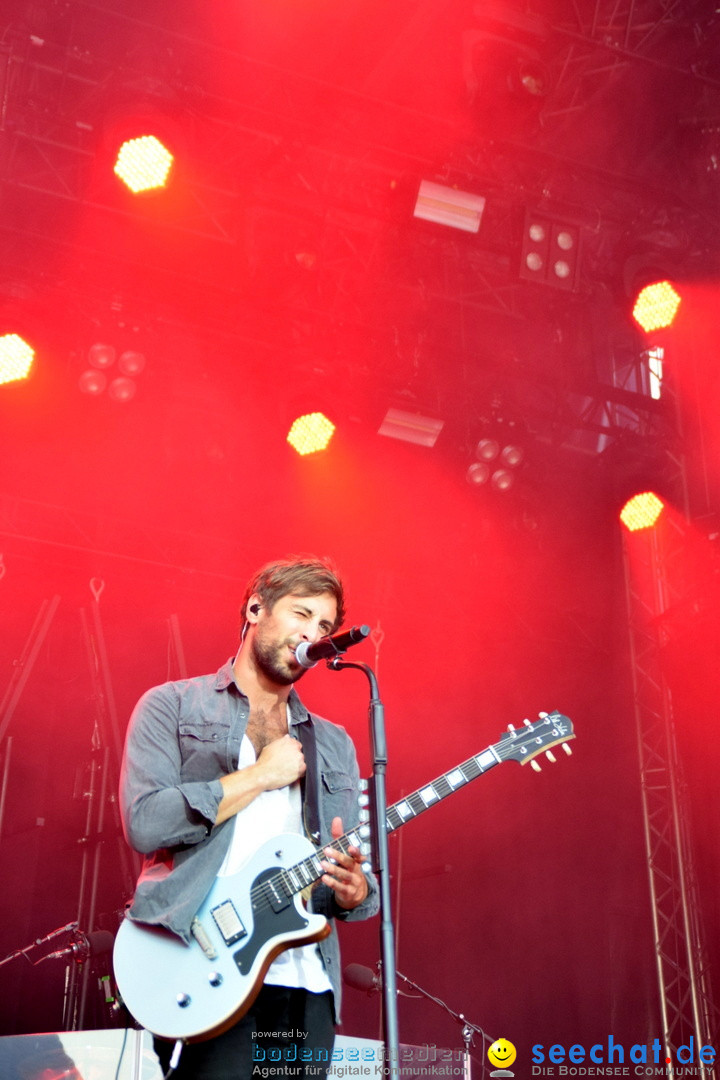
[511, 728]
[550, 756]
[527, 723]
[535, 766]
[567, 749]
[542, 715]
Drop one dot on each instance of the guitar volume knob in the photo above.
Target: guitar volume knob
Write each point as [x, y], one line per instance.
[215, 978]
[183, 1000]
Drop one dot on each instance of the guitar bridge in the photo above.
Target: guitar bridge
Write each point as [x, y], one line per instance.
[199, 933]
[228, 922]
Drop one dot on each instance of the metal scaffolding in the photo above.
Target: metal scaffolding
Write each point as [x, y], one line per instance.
[652, 575]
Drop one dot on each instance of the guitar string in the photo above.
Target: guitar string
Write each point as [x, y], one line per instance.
[505, 748]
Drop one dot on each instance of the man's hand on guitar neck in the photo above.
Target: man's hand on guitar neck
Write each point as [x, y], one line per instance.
[343, 873]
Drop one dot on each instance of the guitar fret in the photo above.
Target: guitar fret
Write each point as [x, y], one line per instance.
[456, 778]
[442, 787]
[471, 769]
[428, 795]
[294, 876]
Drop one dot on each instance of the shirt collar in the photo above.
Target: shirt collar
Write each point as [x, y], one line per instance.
[225, 678]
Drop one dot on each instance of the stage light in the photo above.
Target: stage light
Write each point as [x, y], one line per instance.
[411, 427]
[642, 511]
[101, 355]
[310, 433]
[656, 306]
[448, 206]
[512, 455]
[478, 473]
[487, 449]
[496, 460]
[16, 358]
[92, 382]
[502, 479]
[550, 252]
[122, 389]
[143, 164]
[131, 362]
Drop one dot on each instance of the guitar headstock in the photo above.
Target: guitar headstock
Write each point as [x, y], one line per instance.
[525, 743]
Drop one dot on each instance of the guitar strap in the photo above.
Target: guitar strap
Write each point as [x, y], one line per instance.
[309, 782]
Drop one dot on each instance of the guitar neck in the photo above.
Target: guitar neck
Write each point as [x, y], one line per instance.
[522, 744]
[421, 800]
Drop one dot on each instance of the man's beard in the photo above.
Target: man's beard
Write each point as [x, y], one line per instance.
[268, 660]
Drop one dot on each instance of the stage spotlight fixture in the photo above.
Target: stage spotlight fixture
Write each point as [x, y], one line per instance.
[143, 164]
[502, 479]
[131, 362]
[550, 252]
[487, 449]
[122, 389]
[310, 433]
[411, 427]
[656, 306]
[478, 473]
[448, 206]
[642, 511]
[512, 455]
[101, 355]
[92, 382]
[494, 461]
[16, 358]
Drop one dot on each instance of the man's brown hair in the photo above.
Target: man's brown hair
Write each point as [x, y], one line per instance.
[300, 575]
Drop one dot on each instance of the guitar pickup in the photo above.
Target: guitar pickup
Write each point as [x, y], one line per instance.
[228, 922]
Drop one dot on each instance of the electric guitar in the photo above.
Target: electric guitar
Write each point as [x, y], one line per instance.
[195, 991]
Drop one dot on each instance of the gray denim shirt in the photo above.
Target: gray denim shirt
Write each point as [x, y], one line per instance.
[182, 737]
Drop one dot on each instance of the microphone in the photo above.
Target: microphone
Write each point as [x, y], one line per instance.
[362, 978]
[84, 946]
[329, 647]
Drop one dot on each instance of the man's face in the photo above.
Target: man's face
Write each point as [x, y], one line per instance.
[293, 619]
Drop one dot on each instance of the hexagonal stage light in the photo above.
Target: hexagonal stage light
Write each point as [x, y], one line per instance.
[656, 306]
[310, 433]
[16, 358]
[641, 511]
[143, 164]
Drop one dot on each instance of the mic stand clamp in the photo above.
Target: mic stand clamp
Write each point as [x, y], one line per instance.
[381, 860]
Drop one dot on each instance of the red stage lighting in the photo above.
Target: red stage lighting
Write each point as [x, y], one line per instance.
[656, 306]
[143, 164]
[310, 433]
[642, 511]
[16, 358]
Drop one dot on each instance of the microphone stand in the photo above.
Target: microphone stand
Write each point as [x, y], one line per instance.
[70, 928]
[468, 1028]
[378, 826]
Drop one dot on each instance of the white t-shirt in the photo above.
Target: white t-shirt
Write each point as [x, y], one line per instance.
[270, 814]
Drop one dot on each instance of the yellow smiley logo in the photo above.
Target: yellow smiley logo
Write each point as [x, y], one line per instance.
[502, 1053]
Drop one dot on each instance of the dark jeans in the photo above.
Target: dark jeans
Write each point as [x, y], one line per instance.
[282, 1027]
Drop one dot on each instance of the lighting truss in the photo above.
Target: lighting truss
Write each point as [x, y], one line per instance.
[683, 978]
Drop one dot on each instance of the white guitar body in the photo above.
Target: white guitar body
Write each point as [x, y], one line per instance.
[195, 991]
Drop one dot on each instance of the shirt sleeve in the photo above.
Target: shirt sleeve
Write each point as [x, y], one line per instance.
[344, 803]
[159, 809]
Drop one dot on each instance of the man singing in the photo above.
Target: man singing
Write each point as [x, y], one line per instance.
[215, 766]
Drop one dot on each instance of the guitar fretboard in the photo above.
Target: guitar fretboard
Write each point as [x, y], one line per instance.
[524, 742]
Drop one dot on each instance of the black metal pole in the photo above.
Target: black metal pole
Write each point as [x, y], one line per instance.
[381, 861]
